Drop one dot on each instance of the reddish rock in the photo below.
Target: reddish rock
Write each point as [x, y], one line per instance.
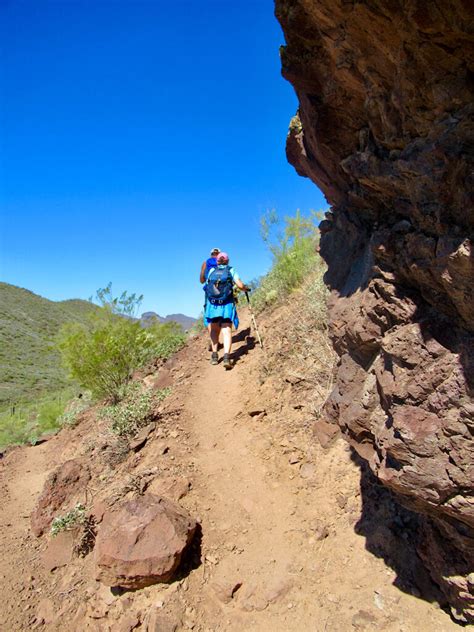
[61, 487]
[384, 125]
[141, 542]
[325, 433]
[174, 488]
[59, 551]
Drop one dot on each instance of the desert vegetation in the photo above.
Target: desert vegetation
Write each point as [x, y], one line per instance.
[294, 297]
[102, 354]
[99, 351]
[293, 243]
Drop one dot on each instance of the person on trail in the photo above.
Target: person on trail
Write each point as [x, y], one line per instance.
[220, 312]
[211, 262]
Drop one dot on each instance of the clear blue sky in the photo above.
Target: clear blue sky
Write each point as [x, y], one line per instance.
[135, 136]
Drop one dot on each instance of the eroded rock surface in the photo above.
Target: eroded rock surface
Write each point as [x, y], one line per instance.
[60, 488]
[385, 129]
[141, 542]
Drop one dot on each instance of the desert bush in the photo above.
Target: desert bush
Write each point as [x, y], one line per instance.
[26, 422]
[75, 407]
[102, 355]
[74, 518]
[301, 347]
[135, 410]
[294, 254]
[198, 327]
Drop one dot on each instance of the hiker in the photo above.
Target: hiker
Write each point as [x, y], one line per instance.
[220, 312]
[208, 264]
[211, 262]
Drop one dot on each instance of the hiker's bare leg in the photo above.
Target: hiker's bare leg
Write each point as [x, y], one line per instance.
[227, 336]
[215, 329]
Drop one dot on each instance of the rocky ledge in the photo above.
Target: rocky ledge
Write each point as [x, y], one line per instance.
[385, 129]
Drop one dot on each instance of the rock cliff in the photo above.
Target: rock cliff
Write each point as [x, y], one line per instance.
[385, 129]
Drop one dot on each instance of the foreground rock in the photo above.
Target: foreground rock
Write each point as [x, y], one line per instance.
[61, 487]
[384, 126]
[142, 542]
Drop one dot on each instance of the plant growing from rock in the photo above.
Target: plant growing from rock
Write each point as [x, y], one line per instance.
[76, 517]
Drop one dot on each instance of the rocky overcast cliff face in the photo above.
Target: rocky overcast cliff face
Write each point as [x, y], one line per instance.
[385, 129]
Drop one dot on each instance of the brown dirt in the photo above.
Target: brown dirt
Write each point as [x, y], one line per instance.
[294, 537]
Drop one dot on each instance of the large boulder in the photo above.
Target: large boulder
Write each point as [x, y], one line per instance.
[63, 485]
[141, 542]
[384, 128]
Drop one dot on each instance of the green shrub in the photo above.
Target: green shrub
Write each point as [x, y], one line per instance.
[73, 409]
[135, 410]
[48, 415]
[102, 355]
[167, 338]
[26, 422]
[294, 253]
[74, 518]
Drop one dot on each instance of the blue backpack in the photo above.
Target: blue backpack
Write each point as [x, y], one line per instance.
[210, 263]
[219, 286]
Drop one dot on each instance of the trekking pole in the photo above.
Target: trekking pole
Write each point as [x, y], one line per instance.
[254, 322]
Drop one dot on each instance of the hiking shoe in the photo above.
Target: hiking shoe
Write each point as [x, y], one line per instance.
[214, 358]
[227, 362]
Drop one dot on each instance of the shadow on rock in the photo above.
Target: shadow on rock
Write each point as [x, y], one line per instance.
[392, 533]
[190, 561]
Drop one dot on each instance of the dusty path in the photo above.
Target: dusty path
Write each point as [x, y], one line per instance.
[267, 498]
[280, 549]
[22, 475]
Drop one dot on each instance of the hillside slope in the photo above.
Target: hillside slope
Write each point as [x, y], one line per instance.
[290, 540]
[29, 323]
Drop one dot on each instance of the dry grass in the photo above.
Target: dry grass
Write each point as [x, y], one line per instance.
[298, 348]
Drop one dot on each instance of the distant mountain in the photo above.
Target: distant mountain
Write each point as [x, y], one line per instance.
[29, 323]
[148, 318]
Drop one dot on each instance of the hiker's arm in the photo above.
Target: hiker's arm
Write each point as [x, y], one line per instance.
[241, 285]
[202, 277]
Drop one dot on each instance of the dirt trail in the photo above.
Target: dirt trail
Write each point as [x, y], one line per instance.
[273, 521]
[280, 549]
[22, 476]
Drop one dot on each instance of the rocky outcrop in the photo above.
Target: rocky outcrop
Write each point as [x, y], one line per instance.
[63, 485]
[142, 541]
[385, 129]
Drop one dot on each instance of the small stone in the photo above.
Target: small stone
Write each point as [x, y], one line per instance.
[294, 459]
[307, 470]
[257, 411]
[379, 601]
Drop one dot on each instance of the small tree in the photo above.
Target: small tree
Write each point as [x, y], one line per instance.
[102, 355]
[292, 243]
